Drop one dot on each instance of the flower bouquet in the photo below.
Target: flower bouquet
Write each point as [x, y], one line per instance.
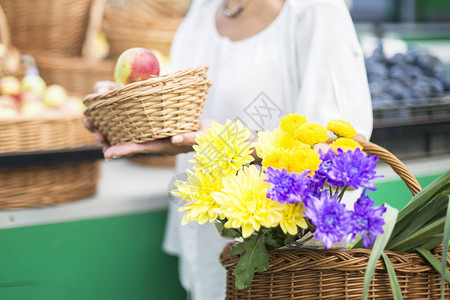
[295, 199]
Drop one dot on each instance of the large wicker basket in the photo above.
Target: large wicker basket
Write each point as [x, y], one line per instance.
[44, 133]
[151, 109]
[339, 274]
[149, 24]
[56, 26]
[78, 73]
[47, 185]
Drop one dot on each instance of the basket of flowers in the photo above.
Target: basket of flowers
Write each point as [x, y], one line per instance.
[293, 236]
[158, 107]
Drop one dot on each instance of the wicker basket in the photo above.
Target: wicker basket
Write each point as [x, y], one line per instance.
[45, 133]
[149, 24]
[56, 26]
[339, 274]
[151, 109]
[38, 186]
[76, 73]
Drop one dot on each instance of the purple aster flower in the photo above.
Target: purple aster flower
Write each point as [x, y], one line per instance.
[330, 217]
[367, 220]
[321, 175]
[364, 199]
[354, 169]
[287, 187]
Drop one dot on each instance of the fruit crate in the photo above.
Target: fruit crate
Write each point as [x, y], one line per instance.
[413, 131]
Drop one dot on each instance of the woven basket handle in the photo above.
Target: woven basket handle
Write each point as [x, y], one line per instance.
[396, 165]
[5, 39]
[94, 25]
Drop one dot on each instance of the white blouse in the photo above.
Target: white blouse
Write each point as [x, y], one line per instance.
[307, 61]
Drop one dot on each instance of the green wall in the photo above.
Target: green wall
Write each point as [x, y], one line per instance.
[395, 193]
[113, 258]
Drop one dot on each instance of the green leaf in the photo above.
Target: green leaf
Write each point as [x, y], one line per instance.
[229, 233]
[434, 262]
[390, 217]
[432, 210]
[424, 195]
[396, 291]
[255, 257]
[289, 239]
[419, 236]
[432, 242]
[446, 240]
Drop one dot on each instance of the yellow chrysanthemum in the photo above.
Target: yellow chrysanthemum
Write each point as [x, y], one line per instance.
[292, 216]
[290, 123]
[197, 191]
[244, 204]
[341, 128]
[311, 134]
[302, 159]
[269, 141]
[345, 144]
[297, 159]
[223, 147]
[278, 158]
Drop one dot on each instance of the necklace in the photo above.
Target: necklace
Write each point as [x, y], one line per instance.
[232, 13]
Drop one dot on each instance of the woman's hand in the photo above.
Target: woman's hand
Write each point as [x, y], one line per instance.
[169, 146]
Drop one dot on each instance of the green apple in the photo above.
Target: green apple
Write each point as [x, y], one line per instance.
[10, 85]
[54, 96]
[34, 83]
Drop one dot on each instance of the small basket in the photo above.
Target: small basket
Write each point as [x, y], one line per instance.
[44, 133]
[155, 108]
[47, 185]
[56, 26]
[339, 274]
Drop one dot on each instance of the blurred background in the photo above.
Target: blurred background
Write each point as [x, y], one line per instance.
[107, 243]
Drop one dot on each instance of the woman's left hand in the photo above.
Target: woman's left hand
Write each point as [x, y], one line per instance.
[169, 146]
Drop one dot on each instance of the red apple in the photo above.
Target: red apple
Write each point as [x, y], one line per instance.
[9, 101]
[136, 64]
[29, 96]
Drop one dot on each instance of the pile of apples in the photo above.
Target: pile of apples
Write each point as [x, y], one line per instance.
[31, 97]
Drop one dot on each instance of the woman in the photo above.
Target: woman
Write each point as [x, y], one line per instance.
[266, 58]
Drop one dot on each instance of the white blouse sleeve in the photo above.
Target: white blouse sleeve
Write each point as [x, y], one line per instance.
[332, 75]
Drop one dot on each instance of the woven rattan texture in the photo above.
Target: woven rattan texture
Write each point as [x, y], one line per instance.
[151, 109]
[29, 134]
[76, 74]
[56, 26]
[39, 186]
[339, 274]
[127, 24]
[335, 274]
